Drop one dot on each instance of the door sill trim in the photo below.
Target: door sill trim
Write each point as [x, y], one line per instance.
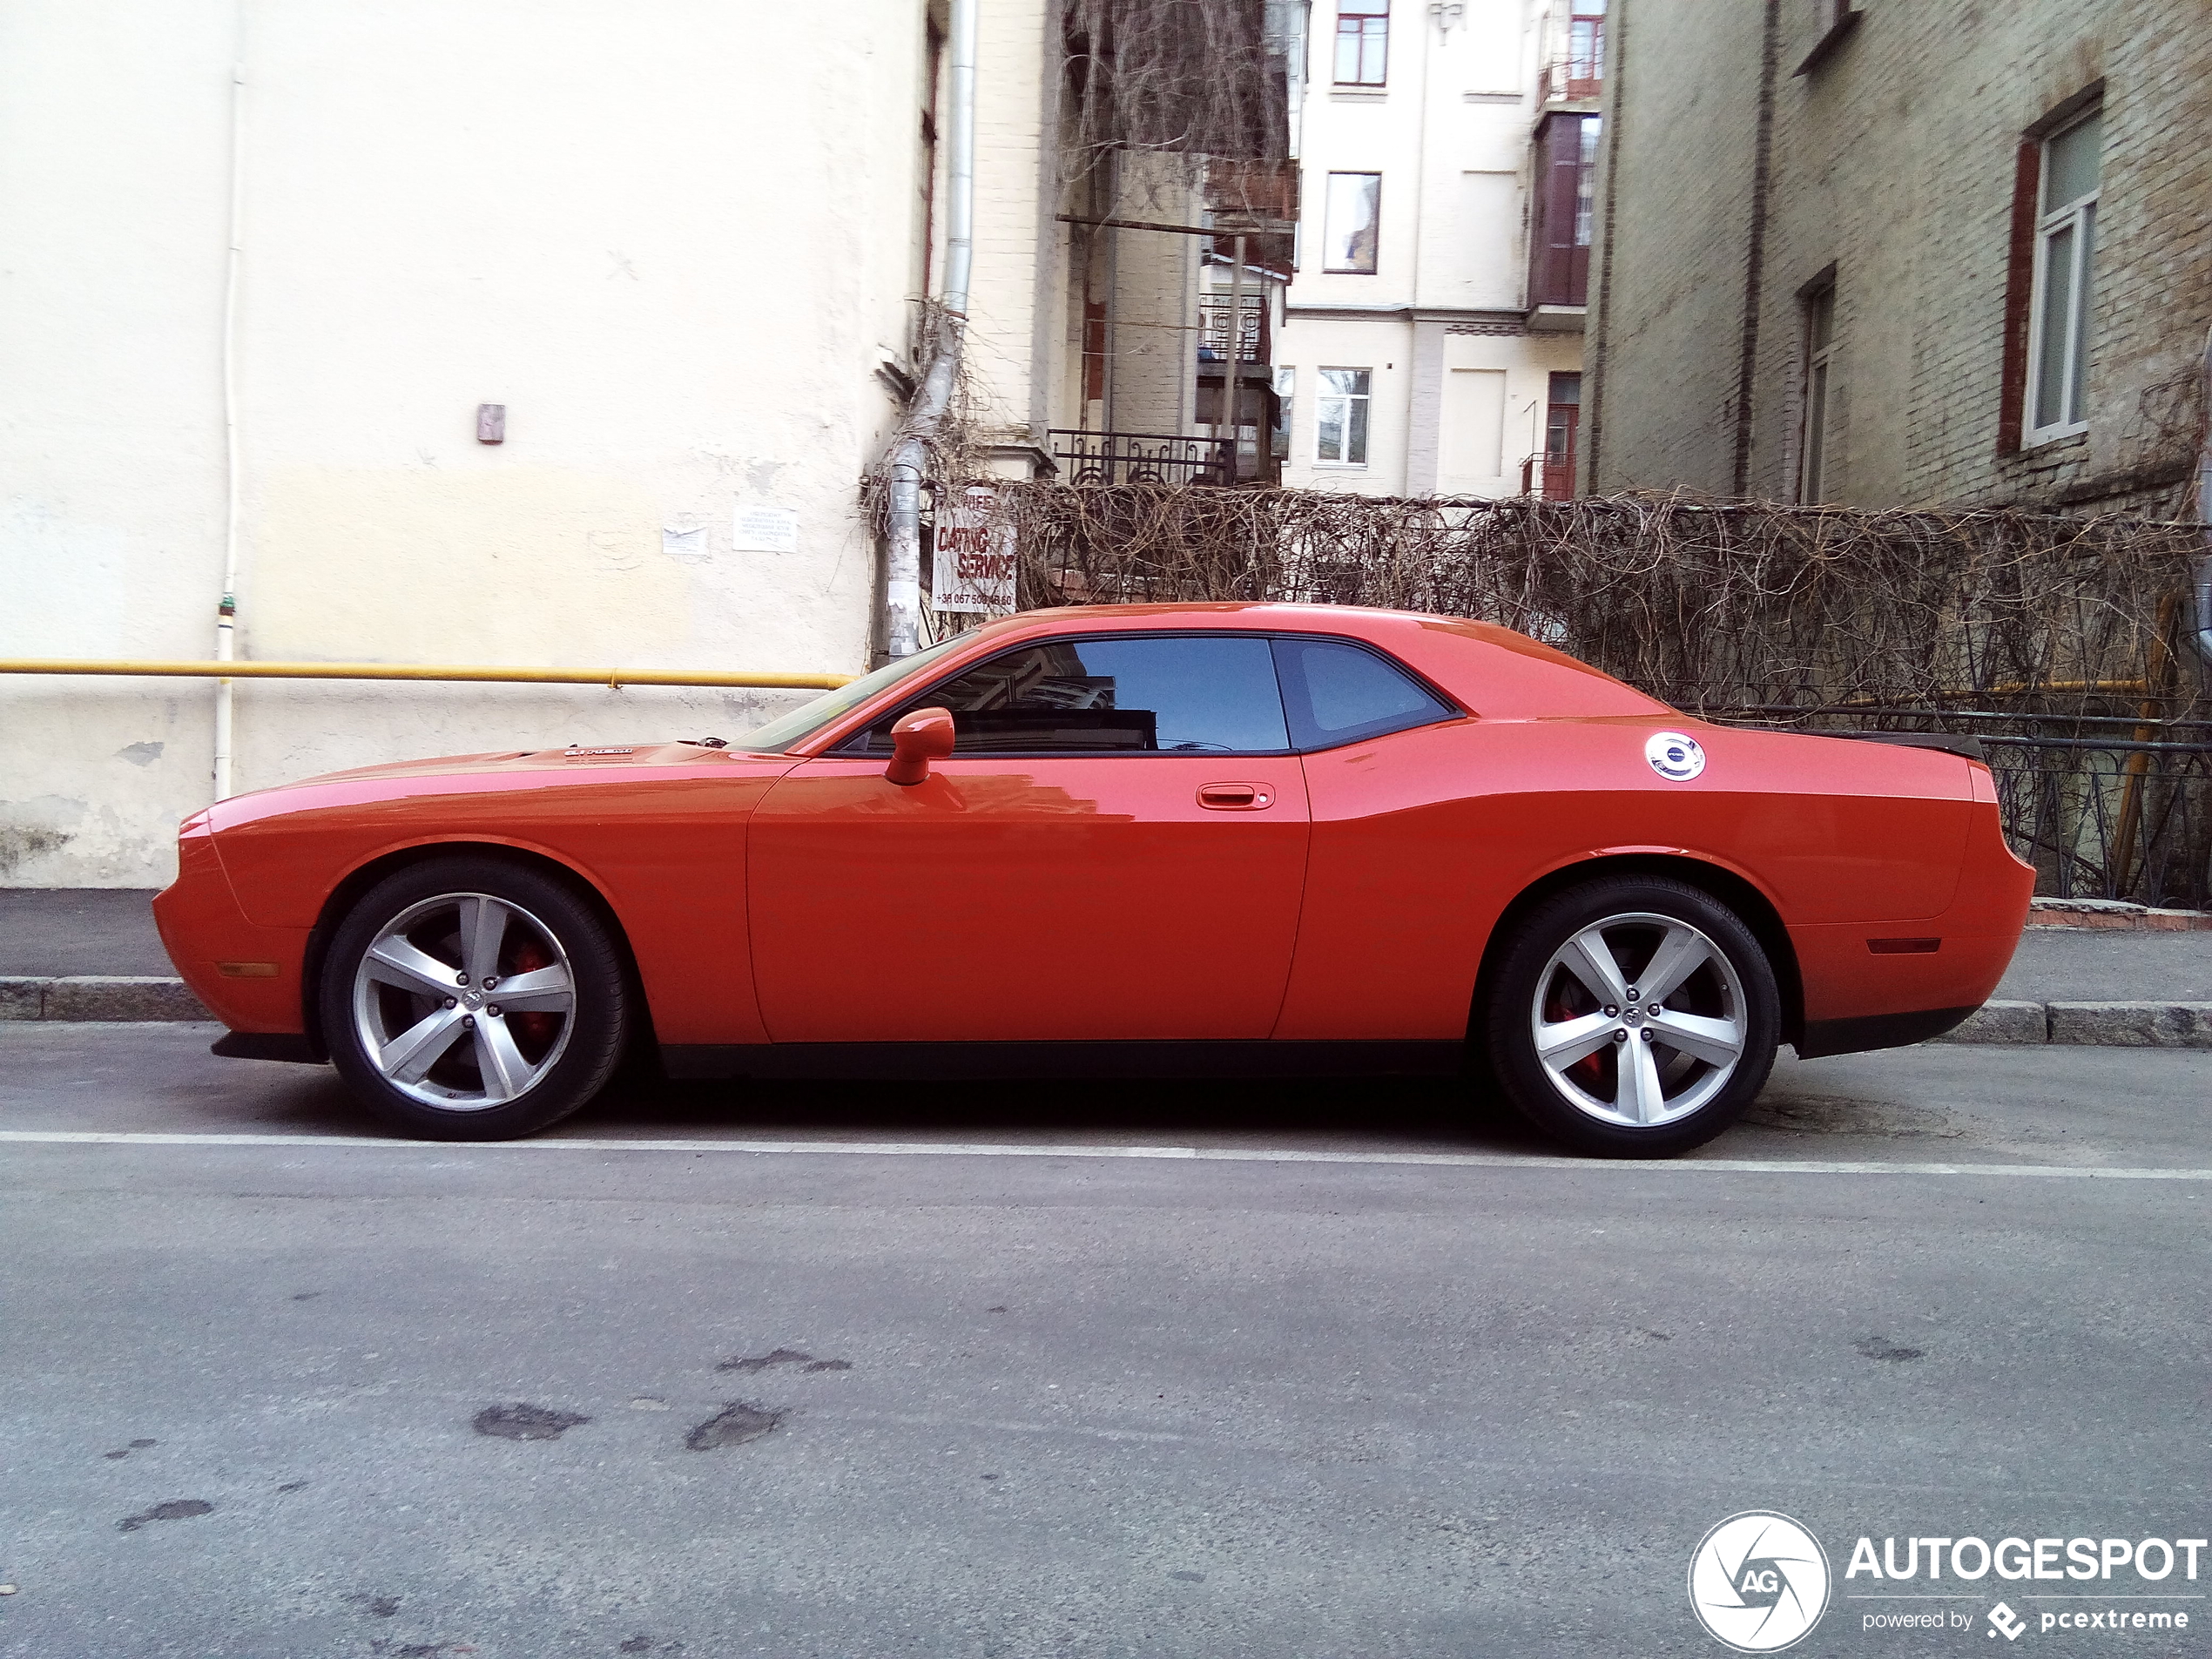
[1263, 1058]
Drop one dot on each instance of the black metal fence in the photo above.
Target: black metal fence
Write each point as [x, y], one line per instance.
[1140, 458]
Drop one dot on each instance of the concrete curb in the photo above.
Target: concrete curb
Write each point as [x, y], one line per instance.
[99, 997]
[103, 997]
[2114, 915]
[2113, 1025]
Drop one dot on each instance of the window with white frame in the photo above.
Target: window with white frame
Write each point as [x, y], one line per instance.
[1341, 417]
[2066, 230]
[1352, 223]
[1363, 41]
[1820, 351]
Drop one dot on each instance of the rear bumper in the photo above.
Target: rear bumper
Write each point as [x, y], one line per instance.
[1883, 984]
[1877, 1031]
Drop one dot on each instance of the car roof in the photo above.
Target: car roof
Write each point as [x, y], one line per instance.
[1490, 670]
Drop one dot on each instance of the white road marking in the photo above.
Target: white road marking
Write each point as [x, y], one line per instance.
[1079, 1150]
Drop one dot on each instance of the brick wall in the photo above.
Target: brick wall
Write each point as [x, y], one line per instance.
[1892, 160]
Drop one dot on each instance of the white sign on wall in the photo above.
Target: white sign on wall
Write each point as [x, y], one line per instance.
[759, 529]
[974, 568]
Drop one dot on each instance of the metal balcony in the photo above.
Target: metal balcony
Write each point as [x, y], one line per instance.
[1140, 458]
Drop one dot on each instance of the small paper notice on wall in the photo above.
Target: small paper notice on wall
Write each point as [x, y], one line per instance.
[761, 529]
[677, 542]
[973, 563]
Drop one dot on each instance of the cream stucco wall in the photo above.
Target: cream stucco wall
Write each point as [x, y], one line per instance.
[675, 241]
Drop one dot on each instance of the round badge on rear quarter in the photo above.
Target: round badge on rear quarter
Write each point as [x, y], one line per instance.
[1673, 756]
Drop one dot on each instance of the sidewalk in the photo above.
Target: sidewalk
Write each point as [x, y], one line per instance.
[93, 953]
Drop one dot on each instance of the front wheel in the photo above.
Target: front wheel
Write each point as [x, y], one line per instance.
[1632, 1017]
[468, 999]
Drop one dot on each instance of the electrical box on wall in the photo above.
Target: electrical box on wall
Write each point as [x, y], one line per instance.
[491, 423]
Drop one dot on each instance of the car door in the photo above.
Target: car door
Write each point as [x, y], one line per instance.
[1115, 850]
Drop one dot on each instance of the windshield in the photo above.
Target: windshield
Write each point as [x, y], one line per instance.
[808, 718]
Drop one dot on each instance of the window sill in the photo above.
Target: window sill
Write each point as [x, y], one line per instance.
[1340, 466]
[1825, 47]
[2051, 439]
[1359, 94]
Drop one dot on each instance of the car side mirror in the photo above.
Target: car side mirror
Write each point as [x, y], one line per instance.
[917, 739]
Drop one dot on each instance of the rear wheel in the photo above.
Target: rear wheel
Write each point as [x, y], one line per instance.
[1634, 1017]
[468, 999]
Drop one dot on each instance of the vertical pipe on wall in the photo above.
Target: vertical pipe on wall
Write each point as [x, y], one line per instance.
[227, 612]
[1232, 375]
[910, 459]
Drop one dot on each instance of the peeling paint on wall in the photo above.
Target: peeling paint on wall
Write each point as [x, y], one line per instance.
[19, 846]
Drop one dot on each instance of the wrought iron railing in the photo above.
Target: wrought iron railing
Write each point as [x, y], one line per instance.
[1140, 458]
[1213, 329]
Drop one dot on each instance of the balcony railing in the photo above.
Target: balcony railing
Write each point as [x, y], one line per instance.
[1140, 458]
[1213, 336]
[1574, 65]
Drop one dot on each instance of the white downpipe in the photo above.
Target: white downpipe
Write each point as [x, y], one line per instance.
[227, 612]
[909, 461]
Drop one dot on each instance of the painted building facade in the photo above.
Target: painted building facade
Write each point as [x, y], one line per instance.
[273, 269]
[1431, 335]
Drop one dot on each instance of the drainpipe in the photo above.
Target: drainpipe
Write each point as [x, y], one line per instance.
[2201, 636]
[910, 459]
[227, 612]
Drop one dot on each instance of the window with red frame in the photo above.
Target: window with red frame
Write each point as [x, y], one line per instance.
[1363, 41]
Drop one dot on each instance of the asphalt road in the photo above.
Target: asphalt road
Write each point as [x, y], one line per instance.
[1259, 1370]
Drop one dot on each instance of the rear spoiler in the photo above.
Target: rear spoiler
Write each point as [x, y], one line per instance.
[1950, 743]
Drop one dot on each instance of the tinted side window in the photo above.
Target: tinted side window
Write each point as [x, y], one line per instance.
[1195, 695]
[1336, 693]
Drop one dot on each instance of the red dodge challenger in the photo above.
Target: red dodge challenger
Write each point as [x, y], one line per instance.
[1158, 839]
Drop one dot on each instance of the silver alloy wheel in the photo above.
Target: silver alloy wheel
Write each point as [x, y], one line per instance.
[1639, 1020]
[464, 966]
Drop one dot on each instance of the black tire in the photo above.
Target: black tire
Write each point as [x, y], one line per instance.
[542, 1062]
[1601, 1099]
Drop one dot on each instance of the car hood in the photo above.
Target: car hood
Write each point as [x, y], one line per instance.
[497, 771]
[572, 759]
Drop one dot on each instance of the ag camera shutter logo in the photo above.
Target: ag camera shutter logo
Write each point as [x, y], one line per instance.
[1674, 755]
[1758, 1581]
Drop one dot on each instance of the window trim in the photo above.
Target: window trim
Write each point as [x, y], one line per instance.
[1336, 50]
[1327, 182]
[1816, 365]
[1322, 394]
[849, 747]
[2079, 218]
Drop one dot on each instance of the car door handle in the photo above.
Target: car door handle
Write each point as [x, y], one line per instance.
[1236, 797]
